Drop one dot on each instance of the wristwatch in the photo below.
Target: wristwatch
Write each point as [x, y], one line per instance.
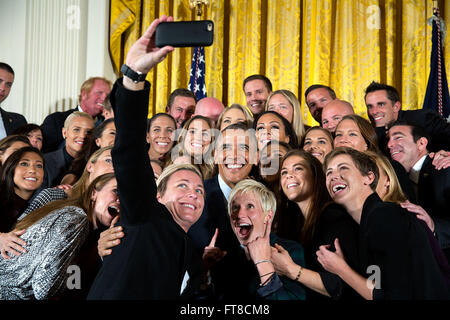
[136, 76]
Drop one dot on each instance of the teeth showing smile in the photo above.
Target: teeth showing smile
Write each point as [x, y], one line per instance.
[79, 142]
[234, 166]
[31, 179]
[164, 144]
[243, 229]
[292, 185]
[190, 206]
[339, 187]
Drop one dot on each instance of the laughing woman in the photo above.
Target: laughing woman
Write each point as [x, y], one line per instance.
[160, 258]
[195, 146]
[22, 175]
[390, 239]
[313, 220]
[317, 141]
[52, 237]
[160, 135]
[77, 129]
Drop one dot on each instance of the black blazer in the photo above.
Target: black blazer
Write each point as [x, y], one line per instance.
[152, 258]
[55, 168]
[434, 196]
[12, 121]
[52, 130]
[392, 240]
[215, 215]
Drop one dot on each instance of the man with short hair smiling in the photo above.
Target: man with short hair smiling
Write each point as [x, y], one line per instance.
[408, 145]
[384, 106]
[257, 89]
[181, 105]
[235, 154]
[316, 97]
[333, 112]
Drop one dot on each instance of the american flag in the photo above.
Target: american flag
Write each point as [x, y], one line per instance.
[437, 95]
[197, 74]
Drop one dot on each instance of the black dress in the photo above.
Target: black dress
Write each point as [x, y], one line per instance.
[334, 222]
[392, 240]
[153, 257]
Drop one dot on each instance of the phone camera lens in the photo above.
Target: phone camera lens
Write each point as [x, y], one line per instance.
[209, 26]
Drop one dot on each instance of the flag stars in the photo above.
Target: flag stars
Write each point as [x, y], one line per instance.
[199, 73]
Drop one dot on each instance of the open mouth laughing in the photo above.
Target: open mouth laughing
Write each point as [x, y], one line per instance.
[338, 188]
[113, 210]
[243, 230]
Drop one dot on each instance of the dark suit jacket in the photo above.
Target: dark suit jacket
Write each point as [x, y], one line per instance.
[52, 130]
[434, 197]
[152, 258]
[12, 121]
[55, 168]
[392, 240]
[215, 215]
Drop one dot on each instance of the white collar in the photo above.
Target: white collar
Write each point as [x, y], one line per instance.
[415, 170]
[226, 190]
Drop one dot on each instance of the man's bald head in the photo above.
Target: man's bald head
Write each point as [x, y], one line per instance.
[209, 107]
[333, 112]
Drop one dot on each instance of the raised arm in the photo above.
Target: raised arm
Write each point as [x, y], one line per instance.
[136, 184]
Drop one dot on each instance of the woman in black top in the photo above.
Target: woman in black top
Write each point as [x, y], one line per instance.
[394, 248]
[156, 257]
[22, 175]
[311, 218]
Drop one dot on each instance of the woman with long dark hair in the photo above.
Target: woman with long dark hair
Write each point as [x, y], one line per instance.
[22, 175]
[311, 218]
[53, 236]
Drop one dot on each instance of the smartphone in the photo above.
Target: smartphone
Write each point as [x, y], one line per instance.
[198, 33]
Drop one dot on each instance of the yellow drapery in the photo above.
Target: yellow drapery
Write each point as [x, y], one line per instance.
[345, 44]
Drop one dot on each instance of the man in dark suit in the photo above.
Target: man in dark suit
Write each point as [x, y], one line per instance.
[10, 120]
[408, 145]
[384, 106]
[91, 99]
[235, 156]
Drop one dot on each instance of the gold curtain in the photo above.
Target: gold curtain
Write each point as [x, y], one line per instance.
[345, 44]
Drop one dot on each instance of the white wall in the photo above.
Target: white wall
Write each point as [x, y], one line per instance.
[53, 46]
[12, 44]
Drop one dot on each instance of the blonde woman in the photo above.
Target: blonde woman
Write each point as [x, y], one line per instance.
[194, 146]
[76, 131]
[232, 114]
[286, 103]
